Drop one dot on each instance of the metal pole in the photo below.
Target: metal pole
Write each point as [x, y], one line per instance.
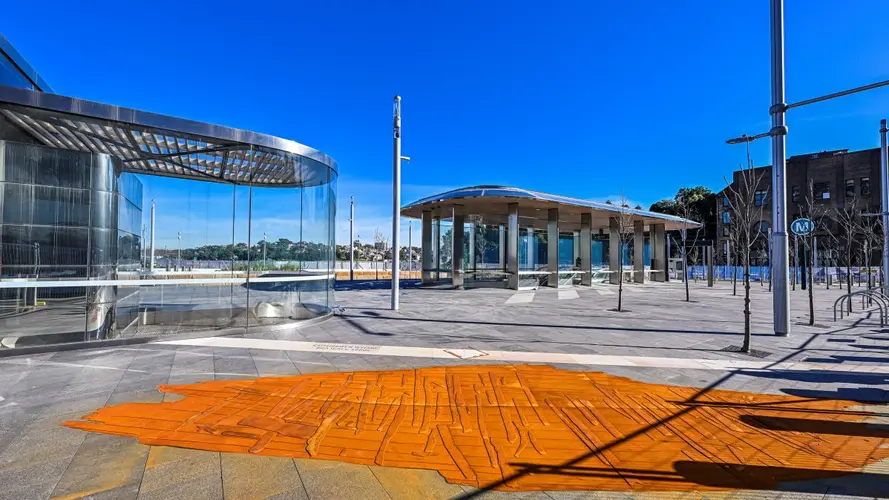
[151, 256]
[781, 278]
[142, 248]
[264, 245]
[884, 195]
[771, 268]
[179, 251]
[396, 200]
[351, 238]
[410, 226]
[795, 259]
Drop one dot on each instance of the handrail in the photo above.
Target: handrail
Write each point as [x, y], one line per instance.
[873, 293]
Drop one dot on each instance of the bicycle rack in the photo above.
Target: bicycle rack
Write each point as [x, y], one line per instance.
[875, 294]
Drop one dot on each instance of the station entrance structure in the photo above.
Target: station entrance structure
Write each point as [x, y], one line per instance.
[533, 238]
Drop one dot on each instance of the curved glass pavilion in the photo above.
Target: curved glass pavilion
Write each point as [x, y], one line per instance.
[119, 223]
[526, 238]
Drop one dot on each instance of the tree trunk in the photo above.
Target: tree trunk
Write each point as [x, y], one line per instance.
[685, 271]
[746, 346]
[849, 275]
[811, 293]
[620, 276]
[735, 276]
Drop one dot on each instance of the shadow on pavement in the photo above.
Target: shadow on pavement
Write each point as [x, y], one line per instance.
[863, 429]
[800, 480]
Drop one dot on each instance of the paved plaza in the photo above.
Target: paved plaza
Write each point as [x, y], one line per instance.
[658, 339]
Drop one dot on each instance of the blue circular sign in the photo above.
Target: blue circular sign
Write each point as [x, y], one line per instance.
[802, 227]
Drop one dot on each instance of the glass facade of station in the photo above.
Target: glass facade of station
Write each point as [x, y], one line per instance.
[110, 230]
[249, 255]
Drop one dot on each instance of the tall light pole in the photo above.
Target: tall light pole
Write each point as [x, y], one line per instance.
[351, 238]
[142, 248]
[396, 200]
[778, 132]
[264, 245]
[884, 196]
[151, 256]
[410, 226]
[179, 253]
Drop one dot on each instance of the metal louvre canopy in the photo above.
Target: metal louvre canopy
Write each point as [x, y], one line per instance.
[155, 144]
[492, 201]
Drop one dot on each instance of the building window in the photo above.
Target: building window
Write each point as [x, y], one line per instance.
[794, 194]
[850, 188]
[725, 202]
[726, 218]
[759, 197]
[822, 190]
[725, 231]
[761, 227]
[865, 186]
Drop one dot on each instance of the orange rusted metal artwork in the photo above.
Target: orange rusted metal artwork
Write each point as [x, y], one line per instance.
[515, 428]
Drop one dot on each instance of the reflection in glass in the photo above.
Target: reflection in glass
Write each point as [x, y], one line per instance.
[236, 256]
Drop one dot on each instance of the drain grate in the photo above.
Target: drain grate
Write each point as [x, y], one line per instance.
[756, 353]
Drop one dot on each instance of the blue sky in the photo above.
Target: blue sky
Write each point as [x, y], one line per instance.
[588, 99]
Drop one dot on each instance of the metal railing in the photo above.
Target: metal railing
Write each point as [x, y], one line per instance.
[868, 297]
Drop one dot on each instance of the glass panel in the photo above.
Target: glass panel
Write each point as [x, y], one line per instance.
[73, 216]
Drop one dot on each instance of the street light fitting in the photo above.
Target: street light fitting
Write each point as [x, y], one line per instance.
[406, 158]
[748, 138]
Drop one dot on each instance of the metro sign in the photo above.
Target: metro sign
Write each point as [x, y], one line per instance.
[802, 227]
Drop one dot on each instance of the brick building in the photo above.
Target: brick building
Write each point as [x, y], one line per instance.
[838, 178]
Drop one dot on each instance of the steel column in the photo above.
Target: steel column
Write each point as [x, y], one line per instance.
[586, 249]
[552, 247]
[436, 248]
[657, 250]
[426, 252]
[501, 247]
[615, 264]
[457, 251]
[639, 251]
[512, 246]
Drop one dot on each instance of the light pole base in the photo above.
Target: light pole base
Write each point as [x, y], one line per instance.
[780, 284]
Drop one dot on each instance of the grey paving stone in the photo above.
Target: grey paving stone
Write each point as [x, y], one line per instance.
[36, 481]
[408, 484]
[328, 479]
[178, 473]
[104, 467]
[266, 478]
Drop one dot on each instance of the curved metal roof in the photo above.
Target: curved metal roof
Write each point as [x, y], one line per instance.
[156, 144]
[493, 192]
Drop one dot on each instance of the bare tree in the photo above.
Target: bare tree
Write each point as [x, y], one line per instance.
[381, 244]
[733, 239]
[625, 231]
[745, 205]
[685, 208]
[816, 214]
[848, 219]
[872, 230]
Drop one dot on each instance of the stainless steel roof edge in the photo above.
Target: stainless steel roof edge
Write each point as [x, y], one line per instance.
[543, 197]
[96, 110]
[30, 73]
